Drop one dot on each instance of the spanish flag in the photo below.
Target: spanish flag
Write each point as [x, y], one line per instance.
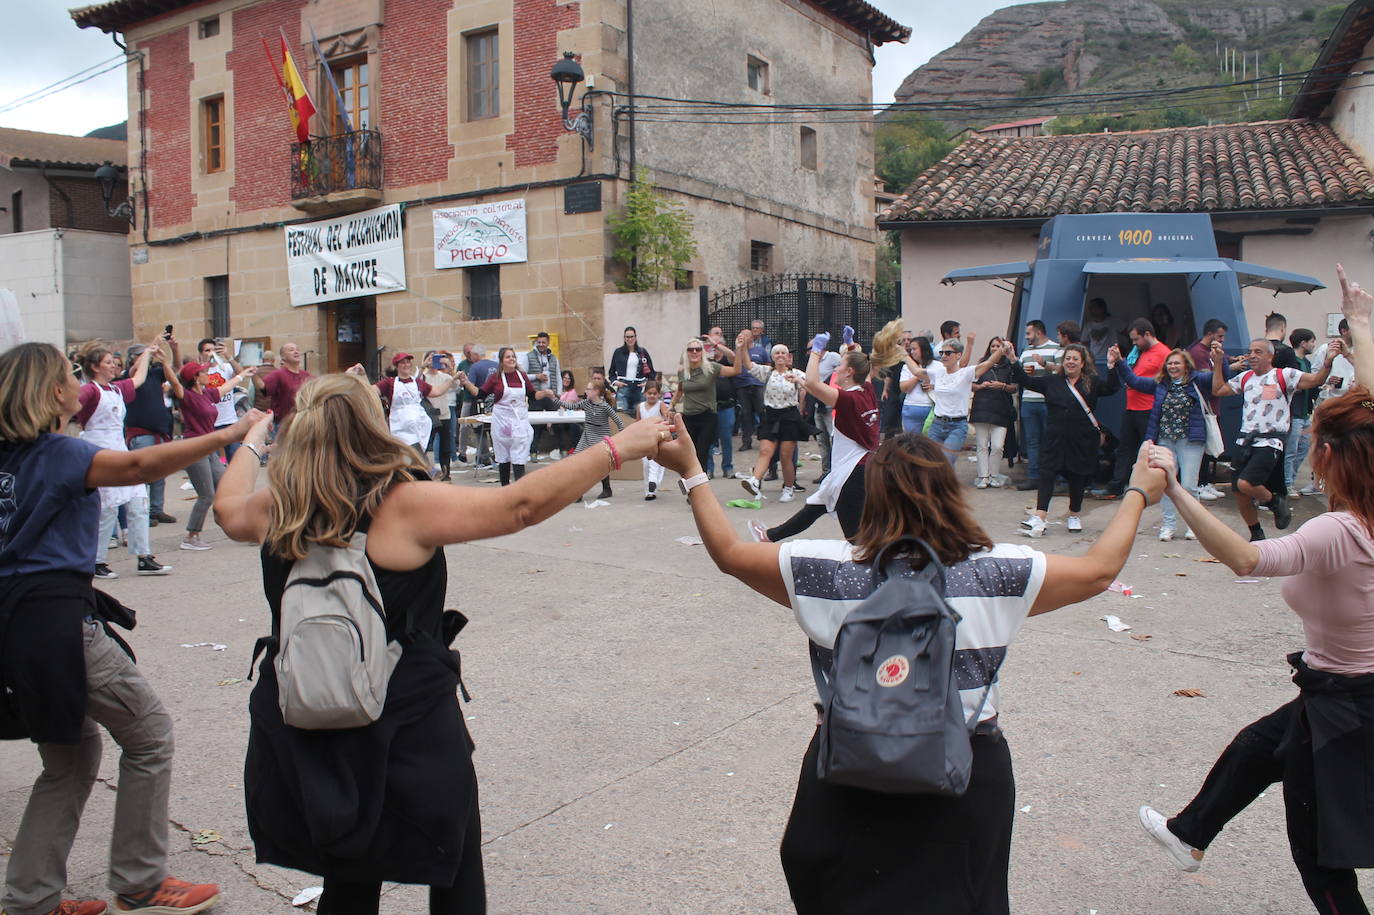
[293, 87]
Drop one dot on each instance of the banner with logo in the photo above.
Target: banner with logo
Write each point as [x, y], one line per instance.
[346, 257]
[473, 236]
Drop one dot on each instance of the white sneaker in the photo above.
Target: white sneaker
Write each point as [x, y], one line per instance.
[786, 494]
[1155, 826]
[1034, 526]
[189, 544]
[973, 459]
[999, 480]
[1312, 489]
[1190, 535]
[1166, 534]
[758, 532]
[751, 486]
[981, 483]
[1208, 493]
[1074, 524]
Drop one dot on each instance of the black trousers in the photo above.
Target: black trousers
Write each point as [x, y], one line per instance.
[849, 508]
[467, 896]
[750, 399]
[1133, 426]
[1077, 484]
[1246, 769]
[702, 428]
[858, 852]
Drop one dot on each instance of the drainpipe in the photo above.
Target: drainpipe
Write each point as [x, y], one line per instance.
[142, 131]
[630, 77]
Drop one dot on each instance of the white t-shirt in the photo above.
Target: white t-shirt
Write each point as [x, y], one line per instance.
[952, 389]
[1341, 368]
[916, 397]
[992, 590]
[1268, 408]
[631, 366]
[445, 400]
[220, 373]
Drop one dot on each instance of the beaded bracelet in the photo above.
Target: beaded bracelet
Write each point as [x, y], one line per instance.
[615, 455]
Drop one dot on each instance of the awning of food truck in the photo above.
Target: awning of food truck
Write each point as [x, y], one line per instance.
[1009, 271]
[1277, 280]
[1246, 274]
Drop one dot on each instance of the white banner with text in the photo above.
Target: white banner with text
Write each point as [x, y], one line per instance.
[346, 257]
[474, 236]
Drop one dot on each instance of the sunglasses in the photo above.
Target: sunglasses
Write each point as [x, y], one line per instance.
[947, 352]
[694, 349]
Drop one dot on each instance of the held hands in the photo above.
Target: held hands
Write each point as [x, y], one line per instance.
[745, 338]
[1333, 349]
[356, 369]
[1154, 467]
[1356, 303]
[846, 334]
[252, 427]
[1163, 459]
[642, 438]
[678, 454]
[1218, 352]
[1113, 356]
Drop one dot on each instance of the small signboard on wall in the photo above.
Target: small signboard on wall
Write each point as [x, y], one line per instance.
[582, 198]
[475, 236]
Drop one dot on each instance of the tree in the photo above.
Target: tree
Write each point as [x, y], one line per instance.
[907, 144]
[653, 238]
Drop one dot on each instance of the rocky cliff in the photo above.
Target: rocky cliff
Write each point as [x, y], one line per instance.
[1087, 45]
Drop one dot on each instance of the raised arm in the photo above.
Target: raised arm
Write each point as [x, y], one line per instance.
[1220, 387]
[1140, 383]
[1070, 579]
[1356, 305]
[994, 357]
[814, 386]
[968, 353]
[1038, 383]
[1236, 552]
[742, 344]
[139, 374]
[145, 465]
[1317, 378]
[730, 368]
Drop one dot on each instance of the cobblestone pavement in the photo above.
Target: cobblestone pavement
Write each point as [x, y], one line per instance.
[640, 718]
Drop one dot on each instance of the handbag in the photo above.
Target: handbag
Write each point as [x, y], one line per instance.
[1215, 443]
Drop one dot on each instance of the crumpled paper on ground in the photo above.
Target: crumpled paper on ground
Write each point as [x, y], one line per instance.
[745, 503]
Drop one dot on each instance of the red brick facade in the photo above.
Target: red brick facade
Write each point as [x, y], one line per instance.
[169, 142]
[261, 122]
[82, 208]
[537, 122]
[413, 83]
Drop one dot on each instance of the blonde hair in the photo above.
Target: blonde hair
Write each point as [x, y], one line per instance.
[334, 462]
[683, 366]
[887, 346]
[29, 376]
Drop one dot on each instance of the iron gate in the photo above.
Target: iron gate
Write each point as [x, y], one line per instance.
[793, 307]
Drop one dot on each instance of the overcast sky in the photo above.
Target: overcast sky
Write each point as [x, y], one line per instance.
[45, 46]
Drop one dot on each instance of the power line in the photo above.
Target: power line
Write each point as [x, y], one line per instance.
[62, 85]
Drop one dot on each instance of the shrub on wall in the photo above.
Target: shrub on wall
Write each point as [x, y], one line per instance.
[653, 238]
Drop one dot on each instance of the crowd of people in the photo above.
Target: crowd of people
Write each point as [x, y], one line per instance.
[348, 456]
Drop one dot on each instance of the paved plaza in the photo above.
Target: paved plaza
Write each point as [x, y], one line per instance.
[640, 718]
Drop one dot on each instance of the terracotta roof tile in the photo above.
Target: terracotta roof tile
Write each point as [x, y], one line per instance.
[1258, 166]
[29, 147]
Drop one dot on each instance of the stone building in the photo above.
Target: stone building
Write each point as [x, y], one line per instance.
[62, 256]
[456, 135]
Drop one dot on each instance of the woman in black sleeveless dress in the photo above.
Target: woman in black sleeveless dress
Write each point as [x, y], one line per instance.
[396, 800]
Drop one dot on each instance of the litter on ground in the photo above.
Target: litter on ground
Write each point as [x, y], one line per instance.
[596, 503]
[689, 541]
[308, 895]
[1190, 693]
[213, 646]
[1114, 623]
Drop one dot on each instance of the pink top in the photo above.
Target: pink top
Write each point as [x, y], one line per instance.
[1329, 562]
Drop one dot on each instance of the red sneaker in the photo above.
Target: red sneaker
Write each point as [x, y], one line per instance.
[79, 907]
[172, 897]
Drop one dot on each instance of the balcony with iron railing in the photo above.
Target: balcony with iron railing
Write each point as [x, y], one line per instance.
[337, 174]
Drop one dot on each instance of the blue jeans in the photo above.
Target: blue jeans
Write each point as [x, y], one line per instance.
[1033, 416]
[914, 416]
[725, 428]
[157, 491]
[1295, 449]
[1189, 457]
[951, 434]
[628, 398]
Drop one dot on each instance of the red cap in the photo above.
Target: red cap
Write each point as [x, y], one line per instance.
[189, 371]
[400, 357]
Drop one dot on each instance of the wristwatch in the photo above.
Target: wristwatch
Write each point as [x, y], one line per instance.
[691, 483]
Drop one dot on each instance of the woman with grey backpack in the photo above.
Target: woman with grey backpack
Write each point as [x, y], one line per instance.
[849, 848]
[394, 798]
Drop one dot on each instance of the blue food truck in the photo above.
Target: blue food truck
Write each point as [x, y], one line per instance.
[1134, 263]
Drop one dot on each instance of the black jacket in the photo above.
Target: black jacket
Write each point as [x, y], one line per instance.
[1070, 443]
[621, 356]
[994, 407]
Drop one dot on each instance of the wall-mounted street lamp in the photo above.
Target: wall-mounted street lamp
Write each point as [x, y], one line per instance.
[566, 74]
[106, 176]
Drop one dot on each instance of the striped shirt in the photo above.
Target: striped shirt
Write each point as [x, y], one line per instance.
[1051, 352]
[993, 590]
[597, 425]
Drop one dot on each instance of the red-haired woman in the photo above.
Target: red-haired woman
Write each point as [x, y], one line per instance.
[848, 849]
[1321, 744]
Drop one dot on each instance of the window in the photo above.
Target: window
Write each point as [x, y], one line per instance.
[484, 292]
[684, 280]
[483, 72]
[354, 91]
[217, 303]
[758, 74]
[17, 211]
[209, 28]
[761, 256]
[808, 148]
[212, 118]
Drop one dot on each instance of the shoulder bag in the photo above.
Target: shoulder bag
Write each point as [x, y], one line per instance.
[1215, 443]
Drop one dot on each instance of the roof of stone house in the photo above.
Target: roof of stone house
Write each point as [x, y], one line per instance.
[1267, 165]
[55, 150]
[1340, 52]
[116, 15]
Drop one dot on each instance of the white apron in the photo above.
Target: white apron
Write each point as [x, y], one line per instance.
[511, 432]
[106, 429]
[409, 421]
[845, 454]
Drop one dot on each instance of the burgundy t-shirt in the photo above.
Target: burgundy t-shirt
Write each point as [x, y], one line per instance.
[281, 387]
[513, 380]
[387, 386]
[856, 415]
[89, 397]
[199, 410]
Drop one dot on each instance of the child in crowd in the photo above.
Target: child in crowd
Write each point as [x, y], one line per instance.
[653, 406]
[597, 425]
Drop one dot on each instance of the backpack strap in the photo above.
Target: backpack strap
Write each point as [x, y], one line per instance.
[1283, 383]
[972, 723]
[819, 666]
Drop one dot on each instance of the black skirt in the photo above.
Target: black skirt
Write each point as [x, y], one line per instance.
[783, 424]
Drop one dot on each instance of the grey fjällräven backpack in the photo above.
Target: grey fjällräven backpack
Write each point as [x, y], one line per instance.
[892, 719]
[333, 658]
